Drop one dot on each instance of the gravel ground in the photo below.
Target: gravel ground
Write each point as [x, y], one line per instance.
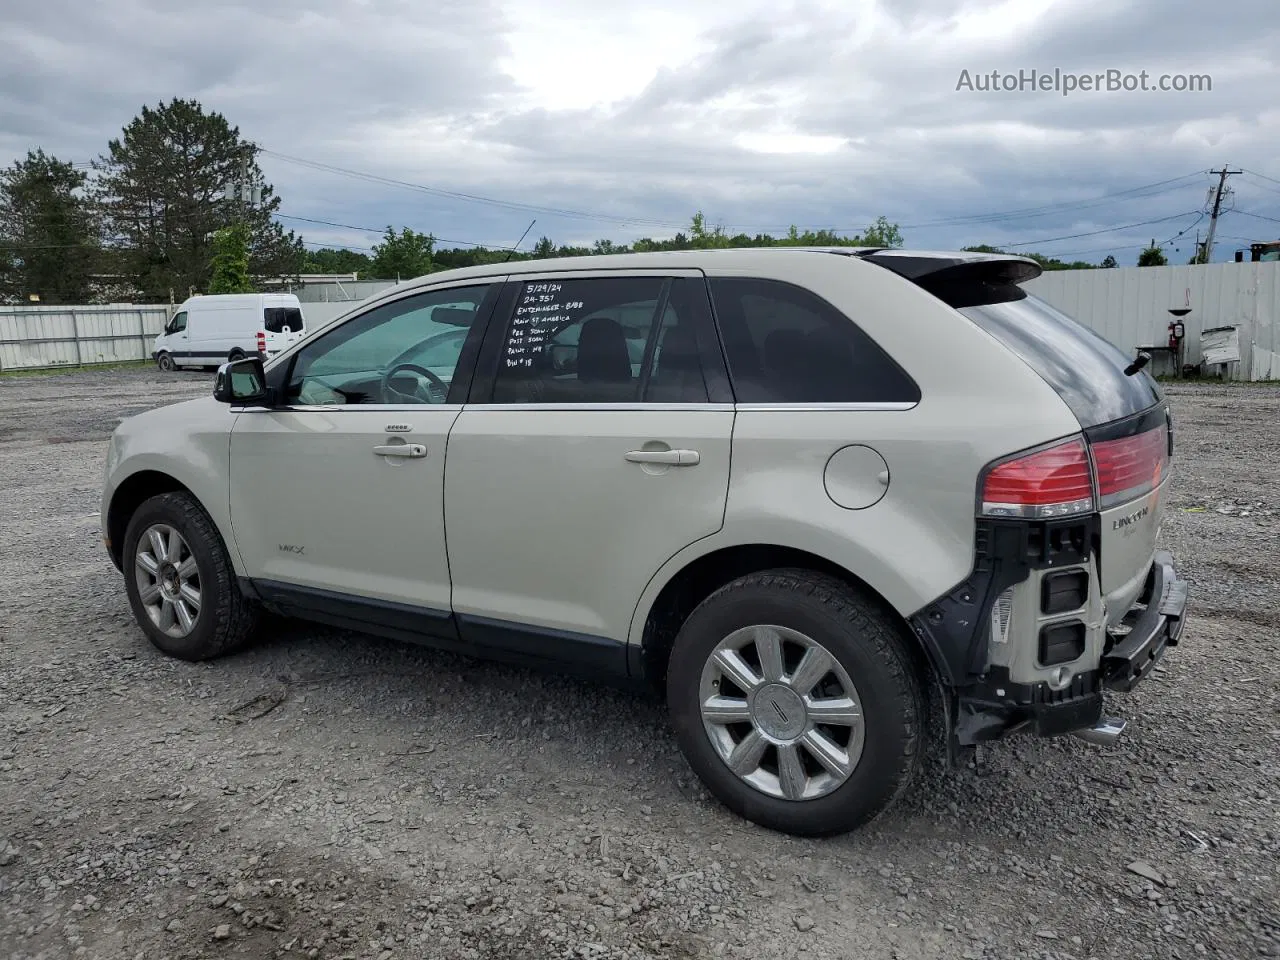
[332, 795]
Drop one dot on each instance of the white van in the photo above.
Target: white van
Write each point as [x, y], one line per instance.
[210, 330]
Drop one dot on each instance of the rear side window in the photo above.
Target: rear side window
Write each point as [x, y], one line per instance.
[595, 340]
[276, 319]
[785, 344]
[1086, 370]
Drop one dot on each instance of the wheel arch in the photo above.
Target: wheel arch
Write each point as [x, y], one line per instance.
[702, 575]
[133, 492]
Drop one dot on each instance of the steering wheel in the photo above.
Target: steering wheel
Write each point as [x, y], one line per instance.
[435, 392]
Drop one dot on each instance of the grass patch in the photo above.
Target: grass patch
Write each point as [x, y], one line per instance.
[72, 368]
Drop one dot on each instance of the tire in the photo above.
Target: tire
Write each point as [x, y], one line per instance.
[165, 363]
[866, 648]
[224, 620]
[234, 355]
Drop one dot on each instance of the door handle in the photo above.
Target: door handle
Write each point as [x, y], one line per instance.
[675, 458]
[401, 450]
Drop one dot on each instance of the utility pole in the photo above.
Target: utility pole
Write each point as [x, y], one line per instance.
[248, 194]
[244, 182]
[1217, 209]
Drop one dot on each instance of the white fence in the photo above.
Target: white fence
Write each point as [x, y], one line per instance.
[68, 336]
[39, 337]
[1130, 307]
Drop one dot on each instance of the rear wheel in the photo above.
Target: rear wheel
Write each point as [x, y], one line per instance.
[795, 700]
[234, 355]
[180, 581]
[165, 362]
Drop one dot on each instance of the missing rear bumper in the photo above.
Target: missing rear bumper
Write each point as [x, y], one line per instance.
[994, 708]
[1155, 626]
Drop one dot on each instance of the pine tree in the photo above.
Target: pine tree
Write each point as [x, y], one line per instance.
[162, 186]
[49, 232]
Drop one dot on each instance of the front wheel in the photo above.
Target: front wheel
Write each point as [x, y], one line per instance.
[796, 702]
[165, 363]
[180, 581]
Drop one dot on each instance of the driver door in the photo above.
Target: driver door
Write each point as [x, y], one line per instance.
[337, 494]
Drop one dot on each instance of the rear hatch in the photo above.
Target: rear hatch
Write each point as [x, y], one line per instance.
[1121, 411]
[282, 326]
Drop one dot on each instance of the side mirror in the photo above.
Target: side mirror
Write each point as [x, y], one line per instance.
[242, 383]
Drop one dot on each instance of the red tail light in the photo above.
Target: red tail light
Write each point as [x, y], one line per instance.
[1131, 466]
[1054, 482]
[262, 342]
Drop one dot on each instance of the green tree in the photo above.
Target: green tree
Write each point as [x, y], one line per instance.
[882, 233]
[402, 256]
[231, 261]
[1152, 256]
[331, 260]
[162, 186]
[50, 234]
[1109, 262]
[702, 238]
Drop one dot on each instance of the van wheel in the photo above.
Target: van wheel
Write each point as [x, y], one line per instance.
[795, 700]
[234, 355]
[180, 582]
[165, 362]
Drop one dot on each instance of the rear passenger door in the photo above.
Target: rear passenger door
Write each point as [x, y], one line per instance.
[594, 446]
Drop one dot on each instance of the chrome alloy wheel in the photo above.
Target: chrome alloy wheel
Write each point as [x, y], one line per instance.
[168, 580]
[781, 712]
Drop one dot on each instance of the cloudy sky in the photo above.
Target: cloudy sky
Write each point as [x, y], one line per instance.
[621, 119]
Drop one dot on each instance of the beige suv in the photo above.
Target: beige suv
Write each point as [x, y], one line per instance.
[798, 492]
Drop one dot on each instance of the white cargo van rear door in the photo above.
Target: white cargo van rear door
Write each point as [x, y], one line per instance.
[283, 326]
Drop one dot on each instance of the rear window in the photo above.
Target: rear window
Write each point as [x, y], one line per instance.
[1086, 370]
[276, 319]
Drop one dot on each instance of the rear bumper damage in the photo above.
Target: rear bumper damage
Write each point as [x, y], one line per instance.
[1154, 625]
[993, 707]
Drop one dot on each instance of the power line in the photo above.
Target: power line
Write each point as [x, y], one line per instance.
[349, 226]
[1198, 218]
[473, 198]
[1257, 216]
[1053, 207]
[1263, 176]
[1125, 246]
[1021, 213]
[1263, 186]
[1094, 233]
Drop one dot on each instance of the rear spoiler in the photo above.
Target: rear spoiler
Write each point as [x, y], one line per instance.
[961, 280]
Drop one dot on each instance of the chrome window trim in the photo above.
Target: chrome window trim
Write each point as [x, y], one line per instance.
[866, 405]
[353, 407]
[636, 406]
[869, 406]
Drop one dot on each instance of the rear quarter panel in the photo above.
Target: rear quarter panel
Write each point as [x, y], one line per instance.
[979, 402]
